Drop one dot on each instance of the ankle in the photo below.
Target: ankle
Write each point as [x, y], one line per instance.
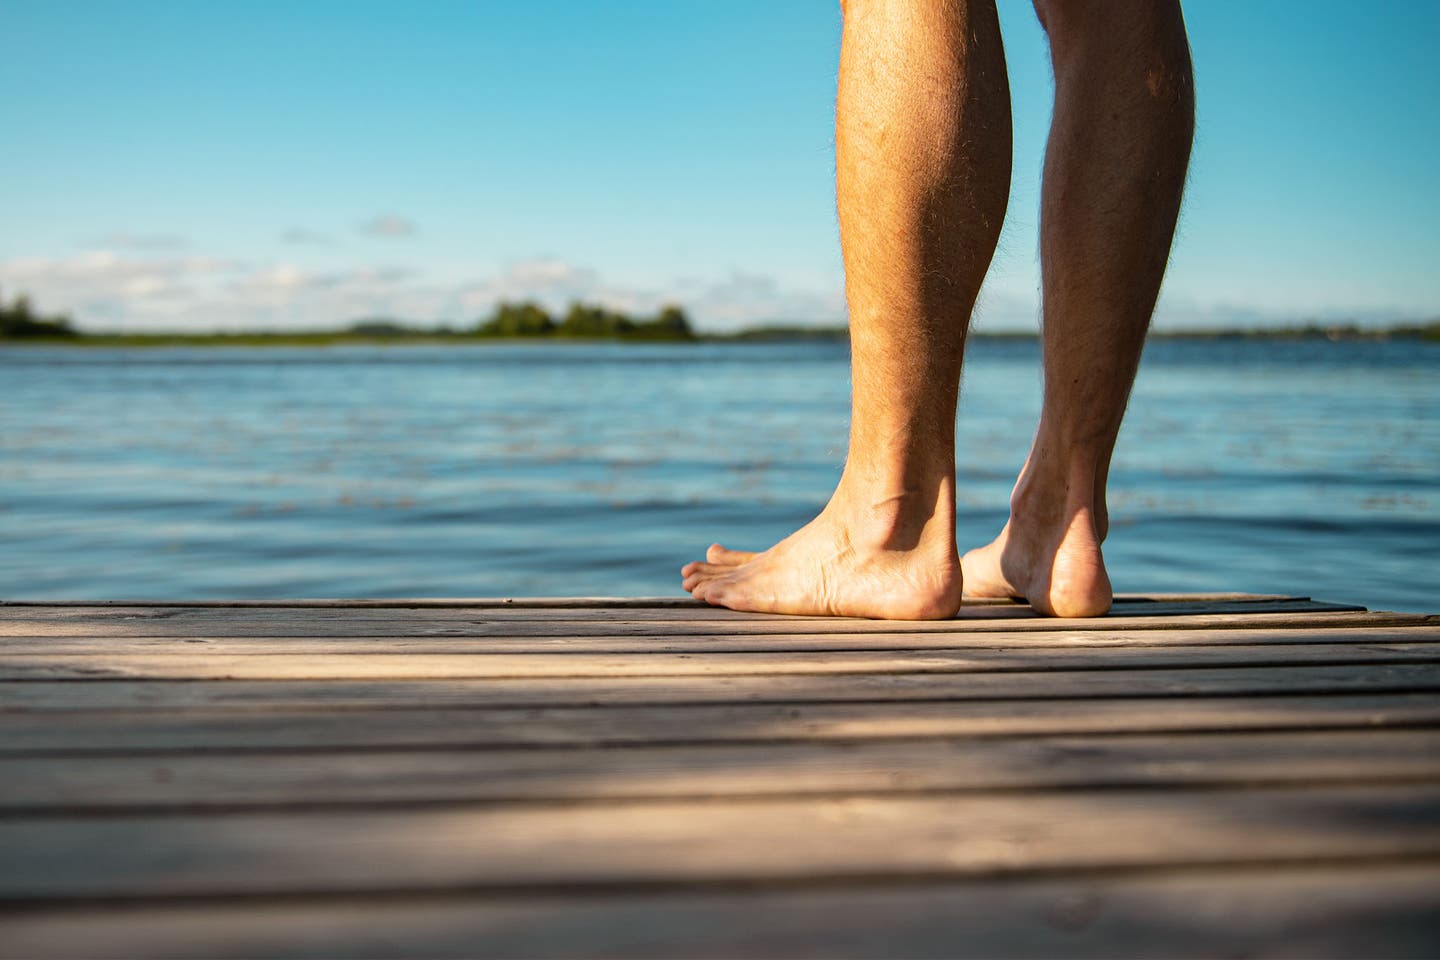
[1049, 497]
[897, 516]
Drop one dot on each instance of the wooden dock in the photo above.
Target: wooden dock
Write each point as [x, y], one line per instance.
[1190, 776]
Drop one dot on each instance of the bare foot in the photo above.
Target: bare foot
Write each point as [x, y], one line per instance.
[884, 562]
[725, 557]
[1056, 566]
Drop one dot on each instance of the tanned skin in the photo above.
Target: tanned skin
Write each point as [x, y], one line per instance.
[923, 148]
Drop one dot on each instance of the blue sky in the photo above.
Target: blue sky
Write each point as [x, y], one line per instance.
[267, 164]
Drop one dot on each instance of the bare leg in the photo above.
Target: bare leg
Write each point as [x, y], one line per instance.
[1114, 171]
[923, 172]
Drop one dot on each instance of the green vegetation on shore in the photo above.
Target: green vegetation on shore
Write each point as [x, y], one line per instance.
[18, 319]
[508, 321]
[19, 322]
[1312, 331]
[584, 321]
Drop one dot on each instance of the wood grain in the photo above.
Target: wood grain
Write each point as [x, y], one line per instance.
[191, 665]
[1320, 911]
[193, 647]
[35, 787]
[227, 732]
[479, 626]
[65, 695]
[432, 603]
[680, 612]
[693, 841]
[1220, 775]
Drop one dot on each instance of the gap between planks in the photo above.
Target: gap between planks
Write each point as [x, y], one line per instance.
[59, 696]
[1349, 910]
[977, 616]
[569, 602]
[227, 733]
[46, 787]
[694, 613]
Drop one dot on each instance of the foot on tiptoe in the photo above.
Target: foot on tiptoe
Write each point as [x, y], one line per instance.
[1056, 566]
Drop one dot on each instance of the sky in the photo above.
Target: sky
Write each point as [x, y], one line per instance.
[191, 166]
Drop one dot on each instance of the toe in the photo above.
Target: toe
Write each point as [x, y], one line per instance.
[725, 557]
[703, 591]
[712, 592]
[700, 568]
[982, 574]
[698, 573]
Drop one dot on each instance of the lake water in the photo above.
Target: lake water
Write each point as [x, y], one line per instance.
[1310, 468]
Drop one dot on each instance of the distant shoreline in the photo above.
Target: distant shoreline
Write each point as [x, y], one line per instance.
[531, 322]
[788, 334]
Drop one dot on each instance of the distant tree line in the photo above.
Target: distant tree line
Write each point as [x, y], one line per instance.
[19, 319]
[527, 319]
[584, 320]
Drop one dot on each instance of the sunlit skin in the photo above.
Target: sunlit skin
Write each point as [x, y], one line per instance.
[923, 151]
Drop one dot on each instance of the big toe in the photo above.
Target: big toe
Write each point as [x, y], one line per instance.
[726, 557]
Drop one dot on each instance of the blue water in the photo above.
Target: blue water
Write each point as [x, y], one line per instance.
[1310, 468]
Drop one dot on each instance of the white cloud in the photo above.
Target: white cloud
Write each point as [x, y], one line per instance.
[111, 290]
[750, 299]
[104, 289]
[388, 225]
[551, 283]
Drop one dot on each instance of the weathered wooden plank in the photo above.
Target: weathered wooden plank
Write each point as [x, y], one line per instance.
[205, 665]
[702, 645]
[684, 613]
[479, 627]
[45, 787]
[668, 608]
[794, 751]
[65, 695]
[560, 602]
[949, 835]
[1320, 912]
[211, 731]
[437, 603]
[690, 613]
